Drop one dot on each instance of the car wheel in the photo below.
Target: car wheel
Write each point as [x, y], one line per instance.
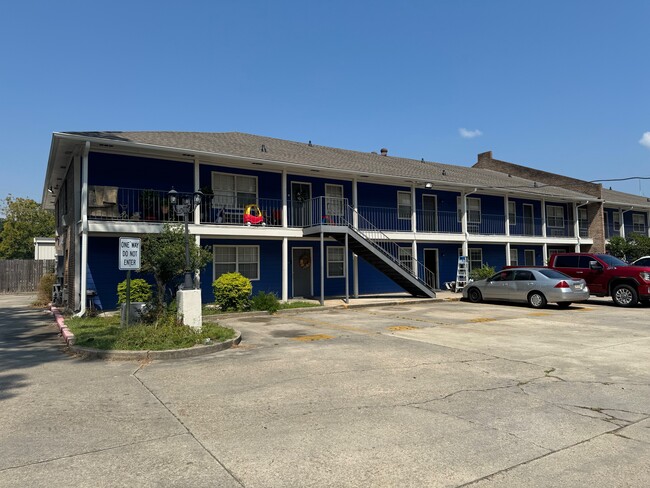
[624, 296]
[536, 300]
[474, 295]
[564, 304]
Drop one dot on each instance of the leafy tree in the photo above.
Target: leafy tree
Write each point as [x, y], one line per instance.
[629, 248]
[164, 255]
[24, 219]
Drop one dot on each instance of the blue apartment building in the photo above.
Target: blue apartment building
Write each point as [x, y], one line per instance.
[335, 222]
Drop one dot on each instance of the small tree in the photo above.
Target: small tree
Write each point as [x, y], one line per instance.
[164, 255]
[24, 219]
[629, 248]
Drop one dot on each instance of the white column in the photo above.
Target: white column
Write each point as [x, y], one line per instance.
[414, 225]
[463, 223]
[355, 205]
[75, 232]
[197, 187]
[508, 262]
[414, 258]
[506, 201]
[647, 223]
[543, 218]
[84, 229]
[285, 219]
[355, 224]
[285, 269]
[621, 215]
[576, 225]
[545, 254]
[347, 274]
[322, 268]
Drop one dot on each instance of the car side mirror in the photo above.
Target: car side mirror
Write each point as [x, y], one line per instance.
[595, 265]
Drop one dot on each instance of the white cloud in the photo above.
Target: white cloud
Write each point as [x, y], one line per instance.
[645, 139]
[471, 134]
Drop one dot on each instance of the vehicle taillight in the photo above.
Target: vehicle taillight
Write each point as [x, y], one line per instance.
[562, 284]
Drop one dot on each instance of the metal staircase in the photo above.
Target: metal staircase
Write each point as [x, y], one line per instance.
[336, 219]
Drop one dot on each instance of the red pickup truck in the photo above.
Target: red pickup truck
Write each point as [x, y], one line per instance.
[606, 276]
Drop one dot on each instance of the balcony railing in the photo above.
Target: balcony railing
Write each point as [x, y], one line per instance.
[113, 203]
[526, 226]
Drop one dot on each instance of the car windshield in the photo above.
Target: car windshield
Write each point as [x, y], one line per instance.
[551, 273]
[611, 260]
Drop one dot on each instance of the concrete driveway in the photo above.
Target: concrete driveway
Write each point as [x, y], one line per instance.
[435, 394]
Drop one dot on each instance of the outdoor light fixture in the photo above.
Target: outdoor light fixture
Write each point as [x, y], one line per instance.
[183, 207]
[428, 185]
[50, 190]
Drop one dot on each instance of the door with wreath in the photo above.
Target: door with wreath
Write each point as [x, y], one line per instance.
[302, 275]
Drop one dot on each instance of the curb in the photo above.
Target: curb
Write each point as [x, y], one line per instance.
[68, 336]
[188, 352]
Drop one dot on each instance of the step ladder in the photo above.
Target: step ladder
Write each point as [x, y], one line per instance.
[461, 274]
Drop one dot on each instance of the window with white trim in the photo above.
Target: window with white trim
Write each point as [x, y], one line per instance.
[237, 259]
[473, 210]
[529, 257]
[555, 216]
[335, 262]
[233, 191]
[616, 220]
[638, 223]
[334, 199]
[404, 207]
[474, 259]
[406, 257]
[552, 251]
[514, 257]
[512, 212]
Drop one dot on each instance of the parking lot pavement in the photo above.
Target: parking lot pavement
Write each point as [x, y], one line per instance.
[436, 394]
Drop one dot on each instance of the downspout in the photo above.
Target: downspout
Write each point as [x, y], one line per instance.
[577, 225]
[84, 230]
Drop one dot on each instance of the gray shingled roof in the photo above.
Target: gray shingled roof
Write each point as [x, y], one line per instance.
[323, 157]
[619, 197]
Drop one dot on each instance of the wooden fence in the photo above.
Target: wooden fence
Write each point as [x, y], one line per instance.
[22, 275]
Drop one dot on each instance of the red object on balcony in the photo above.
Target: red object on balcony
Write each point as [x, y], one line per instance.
[253, 215]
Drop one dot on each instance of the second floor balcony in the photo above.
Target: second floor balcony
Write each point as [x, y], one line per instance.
[128, 204]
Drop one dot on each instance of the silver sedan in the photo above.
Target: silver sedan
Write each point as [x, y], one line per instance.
[536, 286]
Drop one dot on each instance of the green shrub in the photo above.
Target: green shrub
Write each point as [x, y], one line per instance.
[140, 291]
[265, 301]
[232, 292]
[483, 272]
[44, 289]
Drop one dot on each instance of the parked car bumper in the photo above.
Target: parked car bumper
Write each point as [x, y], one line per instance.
[557, 295]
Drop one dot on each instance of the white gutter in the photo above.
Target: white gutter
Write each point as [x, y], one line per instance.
[84, 230]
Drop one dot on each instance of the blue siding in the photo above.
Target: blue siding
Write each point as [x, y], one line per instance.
[378, 204]
[103, 262]
[447, 260]
[137, 172]
[269, 184]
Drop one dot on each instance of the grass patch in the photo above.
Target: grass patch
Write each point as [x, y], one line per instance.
[287, 306]
[107, 334]
[213, 309]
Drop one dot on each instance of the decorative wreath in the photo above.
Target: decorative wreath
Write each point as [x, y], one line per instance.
[304, 262]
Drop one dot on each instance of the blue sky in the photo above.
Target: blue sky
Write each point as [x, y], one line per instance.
[557, 85]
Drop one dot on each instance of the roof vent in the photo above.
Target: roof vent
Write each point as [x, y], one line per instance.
[263, 148]
[310, 144]
[384, 151]
[423, 160]
[534, 184]
[444, 172]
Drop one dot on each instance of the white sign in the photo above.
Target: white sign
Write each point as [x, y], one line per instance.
[129, 253]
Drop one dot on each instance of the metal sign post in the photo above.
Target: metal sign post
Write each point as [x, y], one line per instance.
[129, 255]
